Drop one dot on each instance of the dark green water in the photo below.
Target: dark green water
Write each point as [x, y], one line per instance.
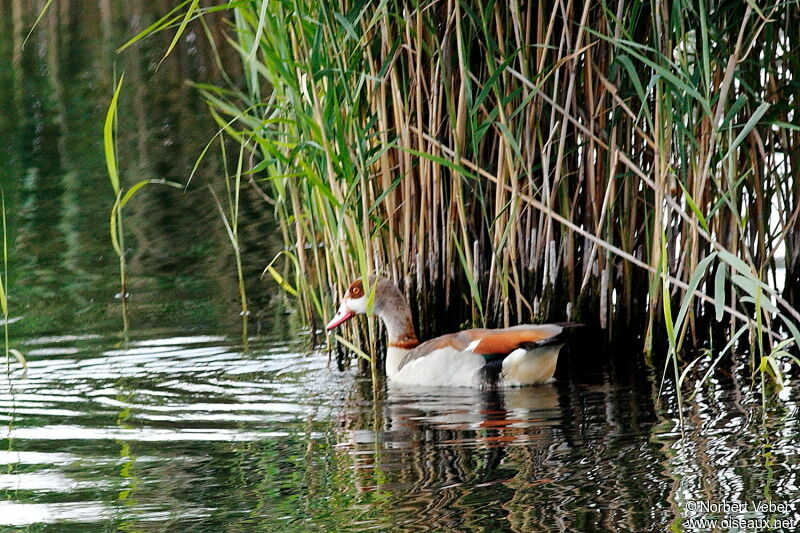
[180, 424]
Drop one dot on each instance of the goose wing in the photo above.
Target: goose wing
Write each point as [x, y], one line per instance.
[490, 343]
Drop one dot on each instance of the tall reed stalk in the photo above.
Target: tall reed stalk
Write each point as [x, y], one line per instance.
[231, 221]
[7, 349]
[510, 161]
[121, 197]
[4, 291]
[115, 222]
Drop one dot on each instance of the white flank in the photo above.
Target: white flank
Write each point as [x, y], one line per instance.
[445, 367]
[523, 367]
[448, 367]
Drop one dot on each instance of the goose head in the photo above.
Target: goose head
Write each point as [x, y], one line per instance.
[388, 303]
[353, 303]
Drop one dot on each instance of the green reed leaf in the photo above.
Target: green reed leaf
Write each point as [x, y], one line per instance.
[36, 22]
[108, 138]
[697, 276]
[186, 18]
[748, 127]
[719, 291]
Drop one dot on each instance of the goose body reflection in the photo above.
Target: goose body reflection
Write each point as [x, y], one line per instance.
[462, 409]
[436, 442]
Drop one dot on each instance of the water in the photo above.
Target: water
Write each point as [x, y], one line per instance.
[183, 424]
[193, 432]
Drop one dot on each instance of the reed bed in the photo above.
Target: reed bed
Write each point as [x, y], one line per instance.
[629, 165]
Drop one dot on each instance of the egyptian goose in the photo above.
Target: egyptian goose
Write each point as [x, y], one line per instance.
[520, 355]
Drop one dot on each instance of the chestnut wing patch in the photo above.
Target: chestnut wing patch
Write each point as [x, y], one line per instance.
[505, 341]
[492, 344]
